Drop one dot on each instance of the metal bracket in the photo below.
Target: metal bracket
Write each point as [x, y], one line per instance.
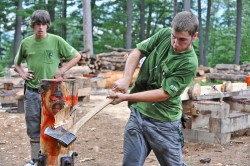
[68, 160]
[42, 159]
[221, 94]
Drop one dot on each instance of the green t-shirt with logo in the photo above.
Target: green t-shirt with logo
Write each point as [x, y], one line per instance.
[43, 56]
[163, 68]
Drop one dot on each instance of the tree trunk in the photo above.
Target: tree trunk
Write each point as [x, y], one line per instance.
[238, 32]
[129, 24]
[87, 27]
[64, 16]
[201, 55]
[150, 10]
[142, 20]
[207, 33]
[51, 9]
[18, 32]
[175, 7]
[187, 5]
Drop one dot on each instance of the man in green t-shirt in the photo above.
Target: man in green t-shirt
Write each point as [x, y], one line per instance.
[154, 99]
[42, 53]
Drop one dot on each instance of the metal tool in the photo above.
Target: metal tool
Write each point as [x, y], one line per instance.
[65, 138]
[221, 93]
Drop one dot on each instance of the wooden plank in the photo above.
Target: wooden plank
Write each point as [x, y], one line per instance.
[11, 96]
[208, 92]
[225, 94]
[205, 90]
[113, 76]
[211, 108]
[77, 70]
[240, 103]
[82, 82]
[184, 95]
[236, 121]
[201, 135]
[226, 77]
[84, 91]
[228, 67]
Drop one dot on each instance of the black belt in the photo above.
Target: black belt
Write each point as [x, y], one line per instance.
[32, 89]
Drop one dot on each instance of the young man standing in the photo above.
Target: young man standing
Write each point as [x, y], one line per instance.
[154, 100]
[42, 52]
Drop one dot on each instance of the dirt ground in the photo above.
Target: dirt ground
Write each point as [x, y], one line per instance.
[100, 141]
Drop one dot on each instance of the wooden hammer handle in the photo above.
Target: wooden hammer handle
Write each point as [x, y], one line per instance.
[89, 115]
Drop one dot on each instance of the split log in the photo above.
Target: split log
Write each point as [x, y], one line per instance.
[115, 60]
[111, 77]
[118, 49]
[194, 90]
[206, 69]
[77, 71]
[200, 72]
[113, 53]
[227, 67]
[208, 92]
[58, 99]
[245, 67]
[227, 71]
[225, 77]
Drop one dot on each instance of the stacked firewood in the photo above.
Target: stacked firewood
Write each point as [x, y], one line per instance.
[114, 60]
[203, 70]
[229, 72]
[94, 64]
[246, 67]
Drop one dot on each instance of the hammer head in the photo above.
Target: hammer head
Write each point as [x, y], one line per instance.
[64, 137]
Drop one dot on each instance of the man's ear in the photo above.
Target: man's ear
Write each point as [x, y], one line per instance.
[195, 36]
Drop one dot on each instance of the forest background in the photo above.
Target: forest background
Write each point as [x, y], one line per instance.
[91, 24]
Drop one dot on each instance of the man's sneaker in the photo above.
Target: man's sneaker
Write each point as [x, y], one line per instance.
[31, 163]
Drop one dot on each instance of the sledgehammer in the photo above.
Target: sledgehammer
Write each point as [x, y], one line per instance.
[65, 138]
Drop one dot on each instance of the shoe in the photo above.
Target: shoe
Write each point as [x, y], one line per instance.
[31, 163]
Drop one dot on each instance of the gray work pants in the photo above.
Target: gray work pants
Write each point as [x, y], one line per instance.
[143, 134]
[32, 108]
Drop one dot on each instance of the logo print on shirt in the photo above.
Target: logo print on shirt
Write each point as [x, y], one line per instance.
[49, 53]
[174, 88]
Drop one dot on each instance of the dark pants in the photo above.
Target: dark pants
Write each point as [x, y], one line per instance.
[32, 108]
[143, 134]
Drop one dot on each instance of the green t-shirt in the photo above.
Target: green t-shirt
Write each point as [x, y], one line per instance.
[163, 68]
[43, 56]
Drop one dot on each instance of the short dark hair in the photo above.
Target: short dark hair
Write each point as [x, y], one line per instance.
[185, 21]
[40, 16]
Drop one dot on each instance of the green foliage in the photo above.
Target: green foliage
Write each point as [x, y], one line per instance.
[1, 71]
[222, 34]
[6, 58]
[211, 83]
[245, 31]
[223, 48]
[109, 25]
[196, 46]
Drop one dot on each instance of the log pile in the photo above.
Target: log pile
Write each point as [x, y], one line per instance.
[114, 60]
[203, 70]
[94, 64]
[229, 72]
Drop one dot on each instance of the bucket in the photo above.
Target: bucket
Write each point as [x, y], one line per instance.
[248, 79]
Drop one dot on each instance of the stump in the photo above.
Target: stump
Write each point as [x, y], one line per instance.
[58, 98]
